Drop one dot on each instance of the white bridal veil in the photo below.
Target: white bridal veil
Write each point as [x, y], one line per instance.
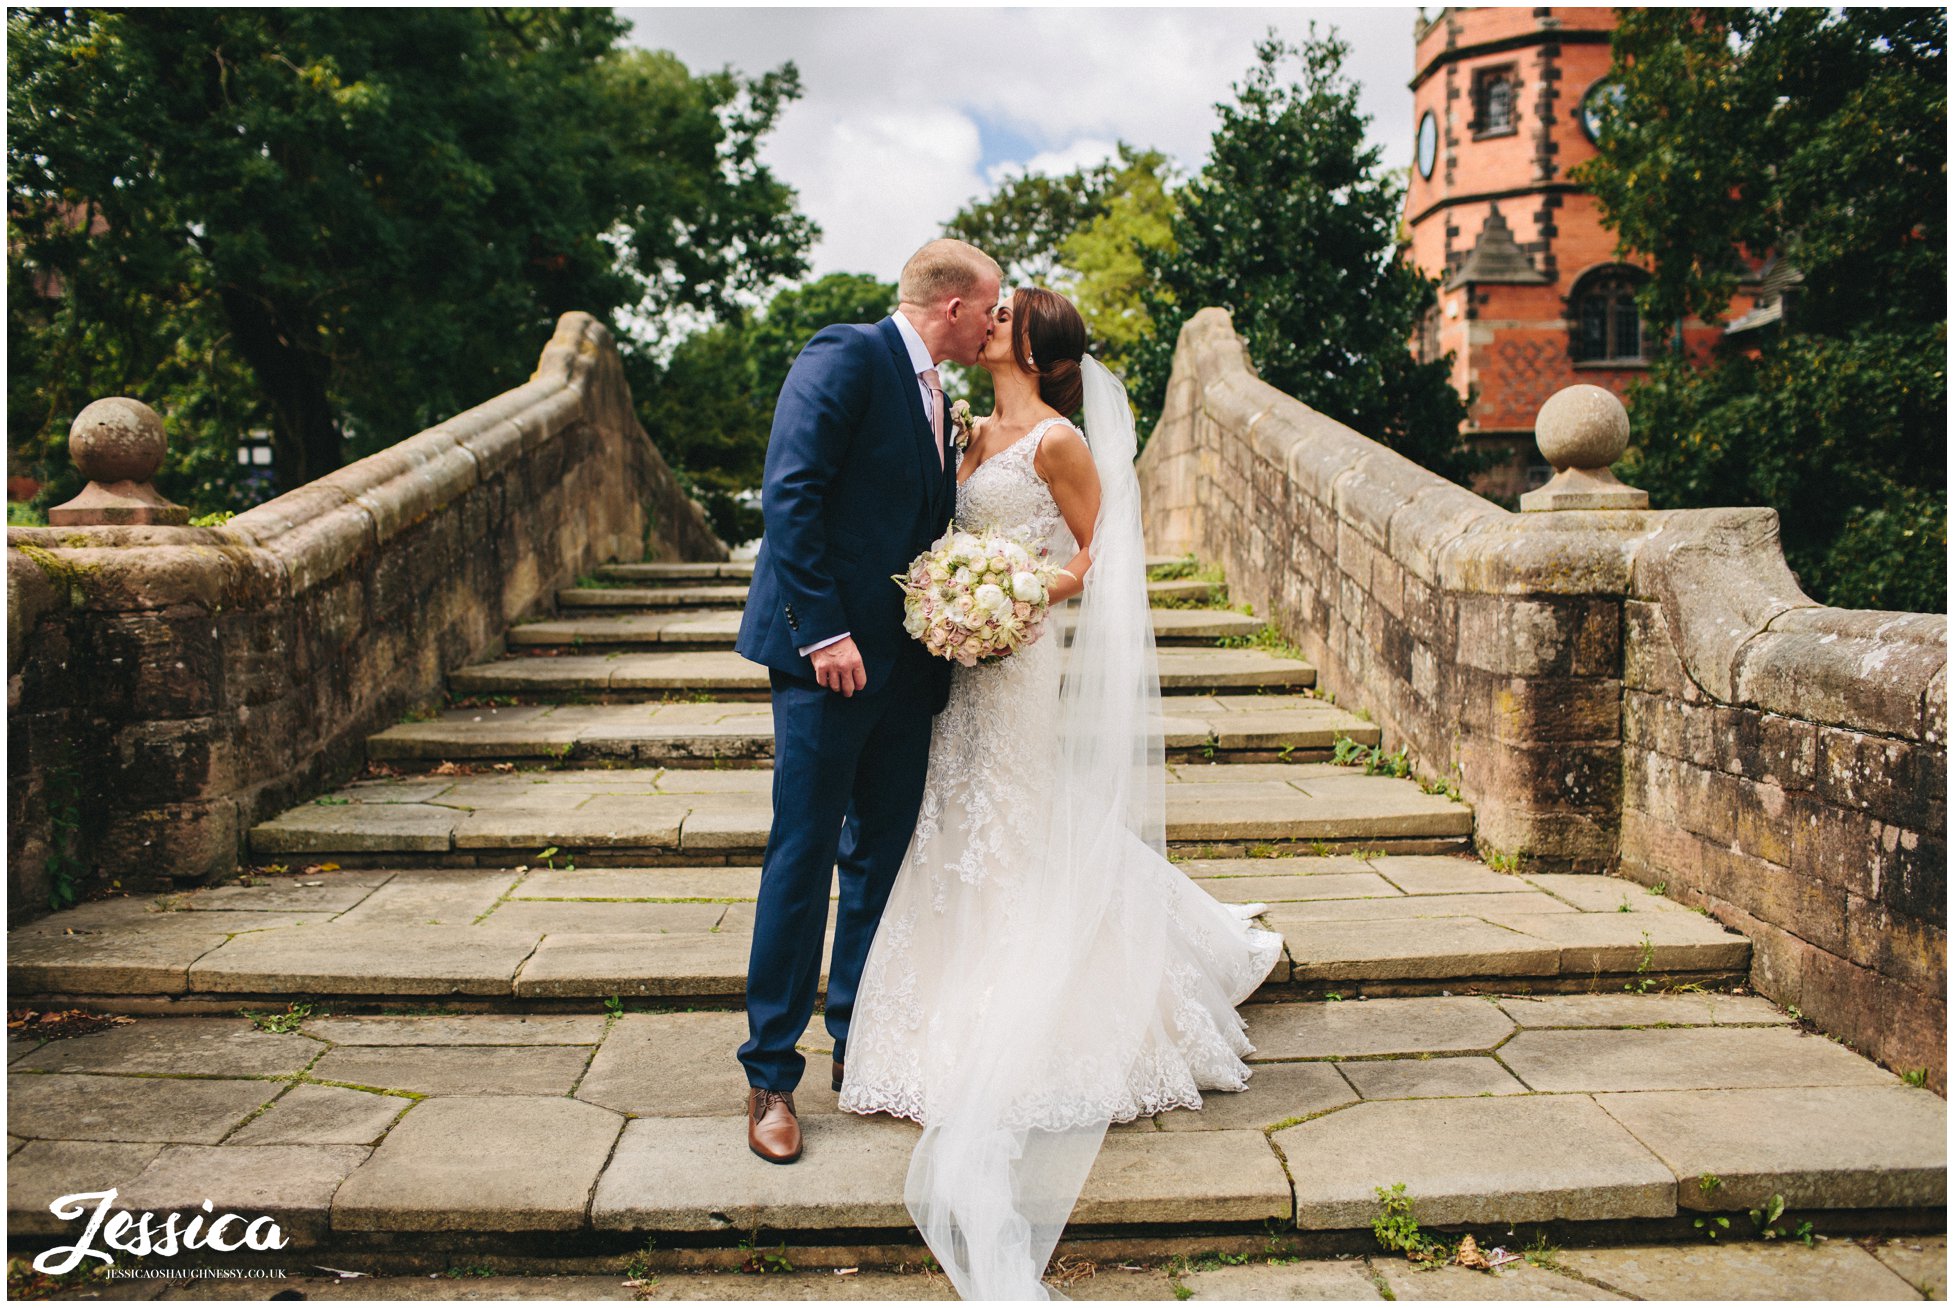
[1061, 1032]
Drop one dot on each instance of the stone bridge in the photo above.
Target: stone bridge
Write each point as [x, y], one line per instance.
[419, 810]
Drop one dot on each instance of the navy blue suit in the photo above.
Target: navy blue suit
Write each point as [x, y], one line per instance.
[853, 492]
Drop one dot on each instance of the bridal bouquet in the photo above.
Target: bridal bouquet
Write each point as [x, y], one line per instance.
[976, 597]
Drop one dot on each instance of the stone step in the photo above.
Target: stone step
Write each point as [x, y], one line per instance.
[701, 593]
[1295, 728]
[690, 815]
[1378, 925]
[566, 1133]
[672, 574]
[722, 673]
[716, 629]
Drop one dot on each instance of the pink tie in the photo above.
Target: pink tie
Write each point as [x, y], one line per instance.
[935, 383]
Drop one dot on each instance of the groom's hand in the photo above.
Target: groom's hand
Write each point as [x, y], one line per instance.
[839, 666]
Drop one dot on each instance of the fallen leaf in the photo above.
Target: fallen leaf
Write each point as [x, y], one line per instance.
[1469, 1256]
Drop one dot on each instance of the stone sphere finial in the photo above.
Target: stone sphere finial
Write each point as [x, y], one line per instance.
[1582, 430]
[118, 444]
[117, 439]
[1582, 427]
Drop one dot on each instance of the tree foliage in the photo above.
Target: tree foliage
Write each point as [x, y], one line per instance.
[1818, 137]
[1104, 273]
[1291, 225]
[710, 408]
[348, 223]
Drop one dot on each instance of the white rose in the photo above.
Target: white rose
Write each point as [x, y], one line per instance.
[962, 576]
[992, 599]
[938, 572]
[1026, 586]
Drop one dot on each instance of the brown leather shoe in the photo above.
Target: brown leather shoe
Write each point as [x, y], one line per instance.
[837, 1076]
[772, 1130]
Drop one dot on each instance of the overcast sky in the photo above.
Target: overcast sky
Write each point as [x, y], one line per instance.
[907, 114]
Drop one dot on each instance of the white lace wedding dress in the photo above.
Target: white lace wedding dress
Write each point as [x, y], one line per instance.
[1126, 1009]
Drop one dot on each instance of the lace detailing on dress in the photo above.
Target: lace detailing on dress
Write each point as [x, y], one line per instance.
[991, 769]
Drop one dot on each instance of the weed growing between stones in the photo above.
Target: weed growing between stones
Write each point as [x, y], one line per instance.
[1269, 638]
[1644, 960]
[279, 1023]
[1916, 1077]
[64, 870]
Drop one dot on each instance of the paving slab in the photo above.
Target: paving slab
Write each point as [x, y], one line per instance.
[730, 569]
[204, 1046]
[583, 917]
[1291, 889]
[1603, 894]
[651, 597]
[290, 1183]
[1631, 942]
[1184, 1176]
[1832, 1147]
[1433, 949]
[1693, 1058]
[351, 828]
[457, 1069]
[1515, 1282]
[683, 1065]
[1655, 1009]
[1835, 1269]
[1360, 1028]
[473, 1029]
[697, 1174]
[1508, 1158]
[365, 959]
[719, 883]
[1431, 1078]
[144, 959]
[42, 1171]
[629, 964]
[322, 1114]
[1277, 1092]
[319, 892]
[1310, 1279]
[1398, 907]
[1444, 874]
[1920, 1261]
[131, 1109]
[431, 895]
[602, 822]
[431, 1173]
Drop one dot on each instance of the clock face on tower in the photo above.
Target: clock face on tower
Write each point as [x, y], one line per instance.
[1427, 145]
[1603, 96]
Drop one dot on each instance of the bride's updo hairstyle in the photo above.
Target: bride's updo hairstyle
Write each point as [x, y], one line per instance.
[1048, 338]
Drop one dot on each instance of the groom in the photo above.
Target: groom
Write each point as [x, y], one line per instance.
[859, 481]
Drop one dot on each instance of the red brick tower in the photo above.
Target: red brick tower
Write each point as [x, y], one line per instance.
[1533, 297]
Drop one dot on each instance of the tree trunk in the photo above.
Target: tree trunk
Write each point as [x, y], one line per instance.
[305, 437]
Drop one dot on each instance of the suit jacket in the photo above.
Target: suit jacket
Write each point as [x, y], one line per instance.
[852, 493]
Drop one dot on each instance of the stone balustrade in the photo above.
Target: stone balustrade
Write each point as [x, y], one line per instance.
[1612, 687]
[169, 686]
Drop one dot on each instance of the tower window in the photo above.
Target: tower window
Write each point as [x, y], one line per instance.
[1492, 101]
[1607, 327]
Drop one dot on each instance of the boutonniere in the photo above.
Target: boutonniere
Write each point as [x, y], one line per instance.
[961, 420]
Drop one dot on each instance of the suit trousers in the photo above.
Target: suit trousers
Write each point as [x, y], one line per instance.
[847, 784]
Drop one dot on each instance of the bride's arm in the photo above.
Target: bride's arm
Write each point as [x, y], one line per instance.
[1065, 463]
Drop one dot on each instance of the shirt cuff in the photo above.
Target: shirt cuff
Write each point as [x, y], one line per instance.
[823, 644]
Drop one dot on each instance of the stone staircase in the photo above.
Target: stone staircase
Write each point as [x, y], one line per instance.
[529, 925]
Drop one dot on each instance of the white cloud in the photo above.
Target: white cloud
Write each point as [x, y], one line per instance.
[910, 113]
[1082, 153]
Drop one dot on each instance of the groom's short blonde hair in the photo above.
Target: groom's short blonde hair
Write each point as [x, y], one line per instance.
[942, 269]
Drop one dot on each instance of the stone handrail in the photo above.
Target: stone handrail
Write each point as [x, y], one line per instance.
[1628, 690]
[170, 686]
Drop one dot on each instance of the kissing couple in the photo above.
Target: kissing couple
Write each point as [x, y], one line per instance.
[1016, 965]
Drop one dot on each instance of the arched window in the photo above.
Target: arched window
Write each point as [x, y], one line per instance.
[1607, 327]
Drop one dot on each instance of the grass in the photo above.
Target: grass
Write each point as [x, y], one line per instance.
[1269, 638]
[1371, 758]
[279, 1023]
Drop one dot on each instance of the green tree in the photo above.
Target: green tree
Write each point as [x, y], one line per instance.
[1027, 219]
[1818, 137]
[1291, 226]
[374, 216]
[1104, 272]
[710, 408]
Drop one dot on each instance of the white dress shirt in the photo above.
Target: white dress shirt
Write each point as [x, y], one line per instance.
[920, 362]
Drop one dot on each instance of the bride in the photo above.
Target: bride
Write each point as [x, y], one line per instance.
[1041, 970]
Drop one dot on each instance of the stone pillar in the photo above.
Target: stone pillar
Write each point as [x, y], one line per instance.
[118, 444]
[1582, 430]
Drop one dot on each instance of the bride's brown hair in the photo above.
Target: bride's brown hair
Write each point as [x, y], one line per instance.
[1048, 338]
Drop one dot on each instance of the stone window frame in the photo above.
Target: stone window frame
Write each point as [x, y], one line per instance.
[1593, 281]
[1482, 79]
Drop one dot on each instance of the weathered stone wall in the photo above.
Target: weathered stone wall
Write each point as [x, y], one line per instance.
[168, 687]
[1533, 660]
